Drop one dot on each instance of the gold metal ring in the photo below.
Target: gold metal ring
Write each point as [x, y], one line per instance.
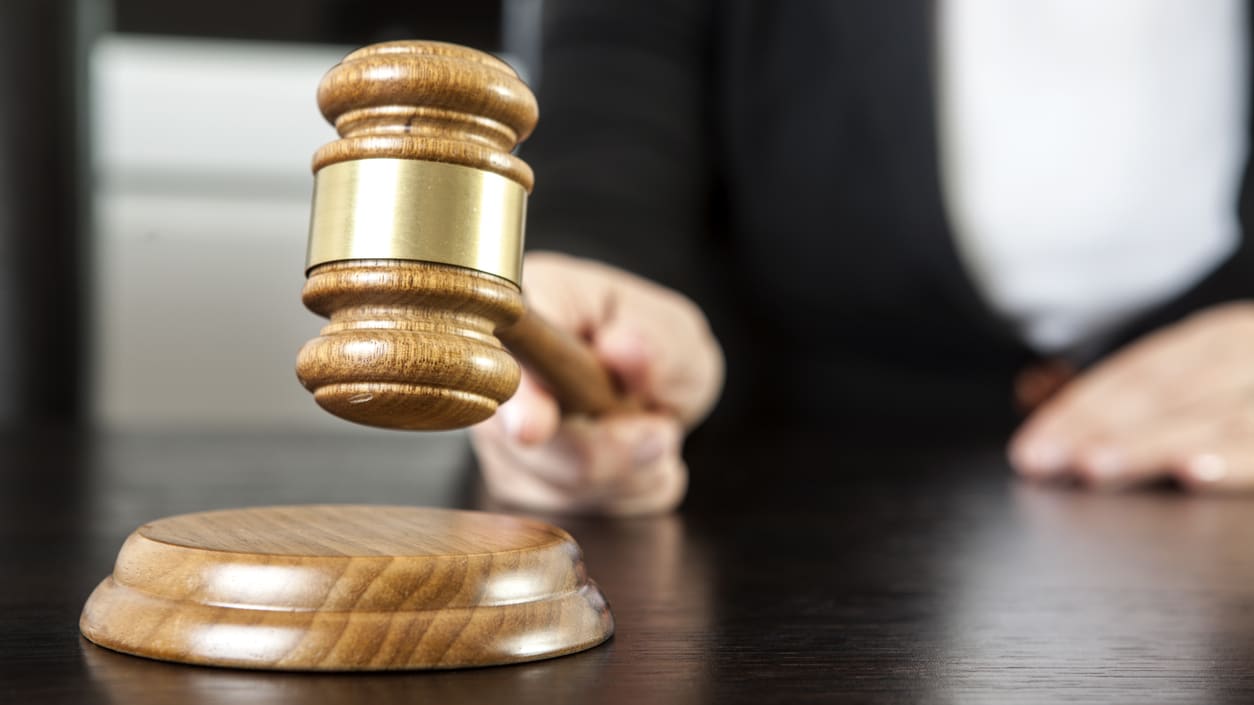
[418, 210]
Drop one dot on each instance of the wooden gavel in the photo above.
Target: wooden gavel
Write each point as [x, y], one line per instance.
[415, 246]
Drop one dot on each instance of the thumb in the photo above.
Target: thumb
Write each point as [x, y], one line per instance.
[625, 352]
[669, 362]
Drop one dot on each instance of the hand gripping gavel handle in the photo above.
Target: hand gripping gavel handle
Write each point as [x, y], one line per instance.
[566, 365]
[415, 246]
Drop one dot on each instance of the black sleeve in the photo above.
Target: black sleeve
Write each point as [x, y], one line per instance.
[622, 153]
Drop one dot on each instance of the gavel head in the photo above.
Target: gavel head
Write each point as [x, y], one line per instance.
[416, 237]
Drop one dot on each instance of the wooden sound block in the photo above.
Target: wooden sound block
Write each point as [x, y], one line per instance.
[347, 588]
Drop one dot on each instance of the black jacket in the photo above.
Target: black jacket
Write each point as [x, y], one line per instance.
[777, 160]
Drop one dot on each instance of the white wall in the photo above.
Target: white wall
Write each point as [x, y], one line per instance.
[202, 153]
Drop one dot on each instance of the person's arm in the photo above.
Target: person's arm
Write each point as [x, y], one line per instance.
[622, 153]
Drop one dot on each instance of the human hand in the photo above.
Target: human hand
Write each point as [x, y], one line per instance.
[1178, 403]
[657, 344]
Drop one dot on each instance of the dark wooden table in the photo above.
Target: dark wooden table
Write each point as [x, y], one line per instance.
[801, 570]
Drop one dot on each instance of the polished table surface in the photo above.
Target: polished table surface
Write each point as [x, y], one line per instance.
[802, 569]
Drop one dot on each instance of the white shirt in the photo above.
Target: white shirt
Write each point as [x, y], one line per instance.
[1092, 153]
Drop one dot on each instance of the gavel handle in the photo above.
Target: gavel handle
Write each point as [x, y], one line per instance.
[566, 365]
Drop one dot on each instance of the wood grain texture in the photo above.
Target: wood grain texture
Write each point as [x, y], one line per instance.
[566, 364]
[867, 570]
[428, 100]
[412, 345]
[346, 587]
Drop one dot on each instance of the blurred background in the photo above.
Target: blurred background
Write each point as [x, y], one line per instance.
[154, 199]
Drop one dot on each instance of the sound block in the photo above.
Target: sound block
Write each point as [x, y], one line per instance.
[347, 588]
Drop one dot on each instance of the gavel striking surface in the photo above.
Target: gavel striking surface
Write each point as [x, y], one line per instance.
[347, 588]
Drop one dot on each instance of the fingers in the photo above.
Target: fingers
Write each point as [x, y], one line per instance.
[1117, 396]
[1195, 363]
[1178, 403]
[1208, 447]
[619, 466]
[1158, 449]
[666, 355]
[657, 344]
[655, 340]
[628, 353]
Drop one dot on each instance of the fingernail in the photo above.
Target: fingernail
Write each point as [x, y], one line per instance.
[1104, 462]
[1041, 458]
[649, 447]
[1207, 468]
[511, 416]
